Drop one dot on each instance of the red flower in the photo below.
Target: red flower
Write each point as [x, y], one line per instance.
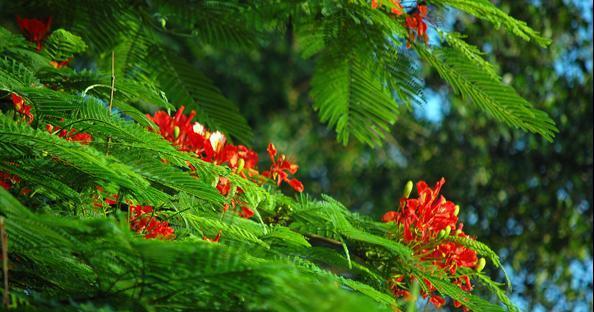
[396, 9]
[213, 147]
[416, 25]
[281, 168]
[60, 64]
[450, 256]
[239, 158]
[5, 184]
[7, 180]
[389, 216]
[428, 214]
[437, 301]
[397, 287]
[244, 211]
[224, 186]
[142, 221]
[424, 222]
[180, 132]
[214, 240]
[21, 107]
[72, 135]
[35, 30]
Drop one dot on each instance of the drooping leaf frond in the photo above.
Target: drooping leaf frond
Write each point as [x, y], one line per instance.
[498, 100]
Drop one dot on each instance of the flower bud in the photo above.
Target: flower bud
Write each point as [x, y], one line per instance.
[456, 210]
[458, 232]
[240, 164]
[176, 131]
[481, 264]
[407, 189]
[448, 230]
[441, 234]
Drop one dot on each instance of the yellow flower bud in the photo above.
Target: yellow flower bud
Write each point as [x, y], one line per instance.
[441, 234]
[448, 230]
[481, 264]
[176, 131]
[240, 164]
[407, 189]
[456, 210]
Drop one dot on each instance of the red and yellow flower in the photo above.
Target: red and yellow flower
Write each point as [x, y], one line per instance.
[143, 221]
[281, 168]
[72, 135]
[214, 147]
[424, 222]
[21, 107]
[416, 25]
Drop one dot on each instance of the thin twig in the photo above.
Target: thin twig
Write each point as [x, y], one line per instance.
[111, 95]
[112, 80]
[89, 88]
[325, 239]
[4, 239]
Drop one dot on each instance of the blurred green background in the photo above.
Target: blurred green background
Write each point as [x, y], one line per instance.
[529, 200]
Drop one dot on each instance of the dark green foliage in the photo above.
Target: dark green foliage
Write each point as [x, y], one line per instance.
[339, 34]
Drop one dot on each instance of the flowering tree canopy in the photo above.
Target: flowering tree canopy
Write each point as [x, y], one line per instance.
[128, 180]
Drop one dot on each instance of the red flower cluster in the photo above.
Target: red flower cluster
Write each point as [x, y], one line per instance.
[72, 135]
[7, 180]
[21, 107]
[224, 187]
[414, 22]
[142, 221]
[213, 147]
[395, 9]
[213, 240]
[209, 146]
[424, 222]
[281, 168]
[416, 25]
[35, 30]
[60, 64]
[142, 218]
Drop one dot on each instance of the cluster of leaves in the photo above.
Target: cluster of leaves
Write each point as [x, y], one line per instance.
[360, 69]
[67, 252]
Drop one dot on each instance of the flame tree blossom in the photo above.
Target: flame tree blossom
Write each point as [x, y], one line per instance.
[281, 168]
[72, 135]
[414, 20]
[214, 147]
[143, 221]
[417, 27]
[21, 107]
[396, 7]
[35, 30]
[423, 223]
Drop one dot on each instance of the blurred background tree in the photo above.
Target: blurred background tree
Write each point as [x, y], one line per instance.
[528, 199]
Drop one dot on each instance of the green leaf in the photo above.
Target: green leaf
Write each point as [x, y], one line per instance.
[185, 85]
[498, 100]
[351, 99]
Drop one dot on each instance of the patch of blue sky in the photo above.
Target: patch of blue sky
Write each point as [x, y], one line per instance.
[566, 63]
[435, 108]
